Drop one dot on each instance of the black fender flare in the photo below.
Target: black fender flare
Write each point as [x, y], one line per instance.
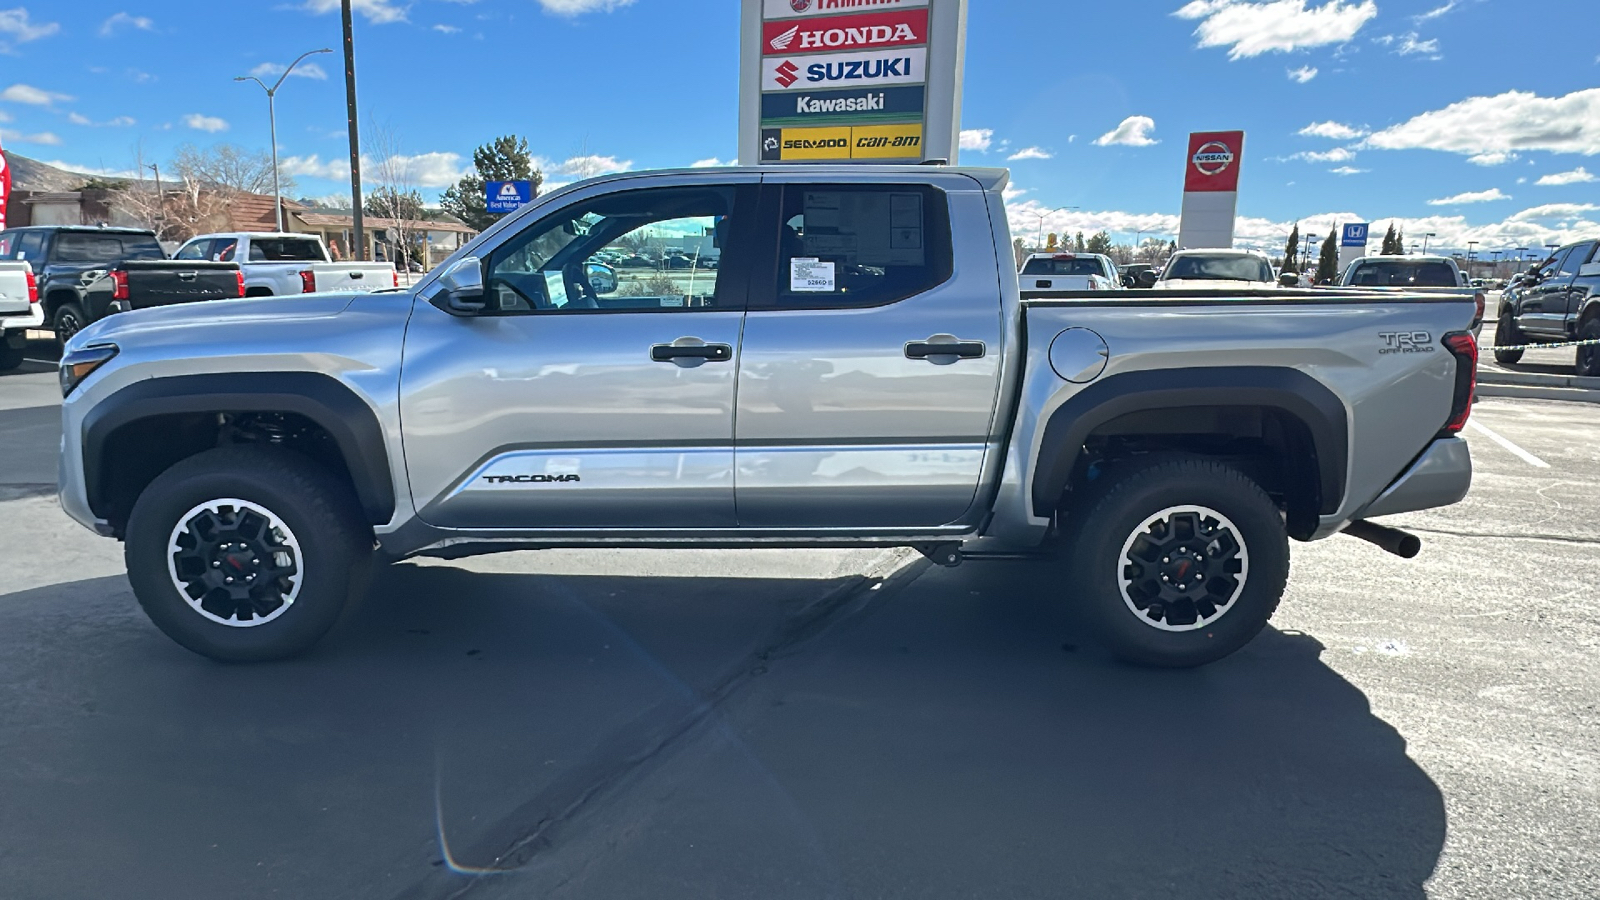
[350, 421]
[1270, 387]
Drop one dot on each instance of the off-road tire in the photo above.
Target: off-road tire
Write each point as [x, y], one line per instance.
[331, 551]
[1506, 334]
[1588, 363]
[69, 319]
[1109, 521]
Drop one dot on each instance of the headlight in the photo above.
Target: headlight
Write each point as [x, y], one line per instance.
[80, 364]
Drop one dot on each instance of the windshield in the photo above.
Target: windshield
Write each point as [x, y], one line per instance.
[1218, 268]
[89, 247]
[1399, 273]
[1081, 265]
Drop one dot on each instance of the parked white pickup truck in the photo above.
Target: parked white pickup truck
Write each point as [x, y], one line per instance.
[19, 309]
[282, 263]
[1065, 271]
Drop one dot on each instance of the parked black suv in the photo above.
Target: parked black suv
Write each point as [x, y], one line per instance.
[88, 272]
[1557, 300]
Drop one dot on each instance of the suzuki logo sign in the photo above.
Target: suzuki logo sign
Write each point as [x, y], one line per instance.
[788, 73]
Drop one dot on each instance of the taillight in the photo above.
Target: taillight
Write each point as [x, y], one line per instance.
[396, 277]
[240, 273]
[1464, 347]
[1094, 285]
[308, 282]
[33, 288]
[1481, 300]
[119, 284]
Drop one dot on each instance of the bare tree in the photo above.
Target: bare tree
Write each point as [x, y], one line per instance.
[392, 192]
[229, 169]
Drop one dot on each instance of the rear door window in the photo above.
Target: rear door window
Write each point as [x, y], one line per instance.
[843, 246]
[1065, 265]
[285, 250]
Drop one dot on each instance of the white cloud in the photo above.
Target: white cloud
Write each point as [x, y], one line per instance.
[269, 70]
[1580, 175]
[1337, 154]
[579, 7]
[208, 124]
[1303, 74]
[22, 93]
[424, 170]
[118, 122]
[1554, 211]
[76, 119]
[4, 116]
[1337, 131]
[1349, 170]
[1410, 46]
[590, 166]
[38, 137]
[1031, 153]
[977, 139]
[1437, 11]
[709, 163]
[378, 12]
[18, 28]
[1493, 129]
[1488, 196]
[1251, 29]
[446, 29]
[89, 170]
[124, 20]
[1133, 132]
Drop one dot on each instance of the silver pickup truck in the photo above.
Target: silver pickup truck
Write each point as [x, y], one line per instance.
[859, 369]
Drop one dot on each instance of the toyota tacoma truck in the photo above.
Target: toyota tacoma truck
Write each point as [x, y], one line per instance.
[276, 264]
[88, 272]
[860, 370]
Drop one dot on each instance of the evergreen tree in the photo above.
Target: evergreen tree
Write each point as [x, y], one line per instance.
[1328, 262]
[1100, 243]
[1400, 242]
[506, 158]
[1078, 244]
[1290, 264]
[1388, 242]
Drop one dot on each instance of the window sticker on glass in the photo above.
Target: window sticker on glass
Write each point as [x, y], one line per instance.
[810, 274]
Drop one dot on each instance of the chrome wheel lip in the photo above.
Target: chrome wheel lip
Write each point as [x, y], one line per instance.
[1125, 559]
[286, 538]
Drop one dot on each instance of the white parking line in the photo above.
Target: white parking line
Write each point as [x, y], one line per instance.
[1516, 451]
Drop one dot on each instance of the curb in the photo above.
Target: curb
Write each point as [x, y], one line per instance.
[1540, 392]
[1538, 379]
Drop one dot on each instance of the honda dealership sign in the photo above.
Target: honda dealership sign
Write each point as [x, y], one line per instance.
[842, 80]
[1211, 189]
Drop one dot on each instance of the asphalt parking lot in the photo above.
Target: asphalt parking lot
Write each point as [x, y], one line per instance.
[821, 724]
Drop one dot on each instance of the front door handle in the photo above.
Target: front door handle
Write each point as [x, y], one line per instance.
[944, 347]
[701, 351]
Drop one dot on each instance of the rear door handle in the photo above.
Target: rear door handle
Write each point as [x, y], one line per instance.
[675, 352]
[941, 347]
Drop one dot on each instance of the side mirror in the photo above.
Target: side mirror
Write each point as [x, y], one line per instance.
[1147, 278]
[463, 287]
[602, 278]
[1128, 281]
[1288, 279]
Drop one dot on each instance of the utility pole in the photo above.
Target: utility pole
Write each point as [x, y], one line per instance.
[358, 249]
[161, 202]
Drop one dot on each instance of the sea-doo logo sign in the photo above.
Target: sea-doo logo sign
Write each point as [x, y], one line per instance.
[531, 479]
[1212, 158]
[891, 29]
[1406, 342]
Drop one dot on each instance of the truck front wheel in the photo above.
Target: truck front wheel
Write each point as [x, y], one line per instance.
[1507, 335]
[246, 554]
[1179, 561]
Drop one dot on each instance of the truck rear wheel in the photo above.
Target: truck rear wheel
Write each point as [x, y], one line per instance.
[1589, 357]
[1507, 335]
[1179, 561]
[246, 554]
[68, 321]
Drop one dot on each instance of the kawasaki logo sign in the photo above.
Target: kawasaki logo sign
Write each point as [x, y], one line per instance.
[892, 29]
[899, 102]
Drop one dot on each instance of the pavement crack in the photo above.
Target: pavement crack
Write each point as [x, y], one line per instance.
[1552, 538]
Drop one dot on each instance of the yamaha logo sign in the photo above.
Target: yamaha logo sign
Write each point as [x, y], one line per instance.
[799, 6]
[1213, 158]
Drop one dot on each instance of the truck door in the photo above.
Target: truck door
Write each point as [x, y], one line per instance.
[597, 388]
[869, 370]
[1577, 287]
[1543, 310]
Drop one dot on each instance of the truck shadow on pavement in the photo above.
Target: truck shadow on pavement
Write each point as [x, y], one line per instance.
[946, 733]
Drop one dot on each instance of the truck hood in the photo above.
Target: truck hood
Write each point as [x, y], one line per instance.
[211, 313]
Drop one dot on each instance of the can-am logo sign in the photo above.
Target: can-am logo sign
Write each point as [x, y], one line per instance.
[892, 29]
[1213, 158]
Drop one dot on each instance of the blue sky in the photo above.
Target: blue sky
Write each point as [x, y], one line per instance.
[1473, 119]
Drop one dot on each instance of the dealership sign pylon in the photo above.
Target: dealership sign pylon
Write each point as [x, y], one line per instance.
[850, 80]
[1211, 189]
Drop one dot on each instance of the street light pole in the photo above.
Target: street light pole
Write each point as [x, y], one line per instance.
[161, 203]
[1425, 238]
[1042, 216]
[272, 125]
[358, 248]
